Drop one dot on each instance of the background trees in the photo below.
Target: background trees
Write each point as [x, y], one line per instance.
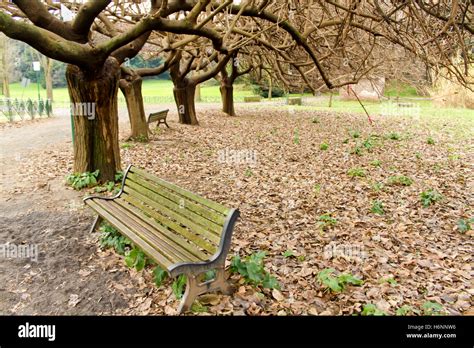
[294, 43]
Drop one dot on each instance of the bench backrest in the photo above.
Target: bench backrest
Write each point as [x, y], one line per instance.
[156, 116]
[196, 223]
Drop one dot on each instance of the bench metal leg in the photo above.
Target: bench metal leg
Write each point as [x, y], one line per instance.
[194, 289]
[96, 223]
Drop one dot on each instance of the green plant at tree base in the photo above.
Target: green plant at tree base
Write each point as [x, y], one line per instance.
[81, 180]
[336, 283]
[252, 269]
[371, 309]
[430, 197]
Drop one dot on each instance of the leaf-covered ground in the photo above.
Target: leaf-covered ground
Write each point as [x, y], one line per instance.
[406, 254]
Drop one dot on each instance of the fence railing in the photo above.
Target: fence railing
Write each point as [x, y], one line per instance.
[14, 108]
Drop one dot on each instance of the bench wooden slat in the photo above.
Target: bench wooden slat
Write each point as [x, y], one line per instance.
[161, 247]
[156, 227]
[201, 200]
[136, 239]
[171, 250]
[191, 216]
[183, 201]
[196, 239]
[171, 214]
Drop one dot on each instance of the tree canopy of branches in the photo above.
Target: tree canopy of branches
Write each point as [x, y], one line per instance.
[316, 43]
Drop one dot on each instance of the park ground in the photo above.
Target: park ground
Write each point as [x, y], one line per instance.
[309, 162]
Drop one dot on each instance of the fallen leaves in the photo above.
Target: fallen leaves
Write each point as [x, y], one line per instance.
[291, 185]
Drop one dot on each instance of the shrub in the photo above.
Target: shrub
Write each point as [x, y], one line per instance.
[263, 91]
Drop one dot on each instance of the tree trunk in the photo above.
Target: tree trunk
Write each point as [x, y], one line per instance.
[93, 97]
[49, 78]
[227, 95]
[198, 93]
[4, 66]
[184, 98]
[131, 88]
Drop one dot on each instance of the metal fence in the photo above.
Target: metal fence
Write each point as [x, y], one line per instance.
[13, 108]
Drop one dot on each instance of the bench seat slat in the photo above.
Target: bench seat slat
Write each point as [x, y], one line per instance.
[195, 218]
[157, 228]
[148, 199]
[171, 250]
[196, 239]
[136, 239]
[206, 202]
[183, 201]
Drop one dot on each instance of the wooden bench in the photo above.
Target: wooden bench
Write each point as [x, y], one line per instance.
[159, 117]
[181, 231]
[294, 101]
[254, 99]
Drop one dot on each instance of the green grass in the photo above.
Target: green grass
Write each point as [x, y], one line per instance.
[160, 89]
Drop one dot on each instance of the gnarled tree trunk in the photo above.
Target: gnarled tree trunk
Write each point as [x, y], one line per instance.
[227, 95]
[48, 75]
[184, 98]
[93, 97]
[131, 88]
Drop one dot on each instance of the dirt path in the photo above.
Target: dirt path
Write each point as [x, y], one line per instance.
[59, 271]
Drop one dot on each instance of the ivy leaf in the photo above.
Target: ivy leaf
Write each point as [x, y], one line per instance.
[160, 275]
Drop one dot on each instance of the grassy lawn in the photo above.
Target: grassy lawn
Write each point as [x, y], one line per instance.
[153, 91]
[161, 91]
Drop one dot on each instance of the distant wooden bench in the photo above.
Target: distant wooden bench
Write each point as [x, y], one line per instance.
[294, 101]
[253, 99]
[159, 117]
[181, 231]
[406, 105]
